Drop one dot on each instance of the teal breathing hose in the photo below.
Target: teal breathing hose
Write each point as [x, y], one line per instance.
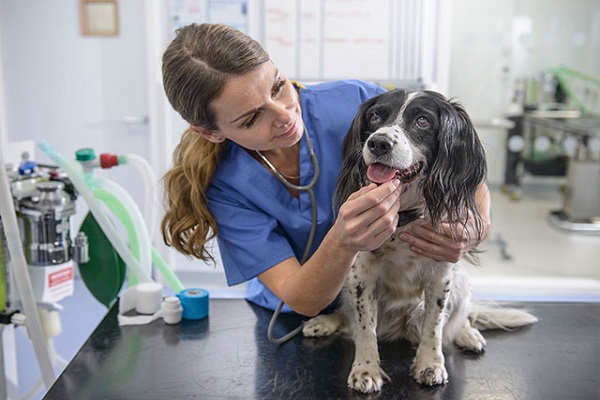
[76, 176]
[117, 208]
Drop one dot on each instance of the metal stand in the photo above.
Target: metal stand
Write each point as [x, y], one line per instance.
[581, 208]
[19, 267]
[560, 220]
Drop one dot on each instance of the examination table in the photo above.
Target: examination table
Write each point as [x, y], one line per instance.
[228, 356]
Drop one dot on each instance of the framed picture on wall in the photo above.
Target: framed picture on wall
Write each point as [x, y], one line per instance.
[99, 17]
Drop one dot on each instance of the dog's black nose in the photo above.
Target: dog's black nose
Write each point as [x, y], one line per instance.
[379, 145]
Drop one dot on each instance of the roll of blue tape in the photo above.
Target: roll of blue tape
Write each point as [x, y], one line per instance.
[194, 303]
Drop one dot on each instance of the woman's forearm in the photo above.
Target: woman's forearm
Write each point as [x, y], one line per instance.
[484, 202]
[318, 282]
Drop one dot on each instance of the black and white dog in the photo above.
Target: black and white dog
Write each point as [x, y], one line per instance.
[429, 143]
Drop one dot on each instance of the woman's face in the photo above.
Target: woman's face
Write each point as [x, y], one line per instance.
[259, 111]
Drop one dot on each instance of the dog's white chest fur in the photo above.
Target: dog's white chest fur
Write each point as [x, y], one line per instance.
[393, 269]
[400, 280]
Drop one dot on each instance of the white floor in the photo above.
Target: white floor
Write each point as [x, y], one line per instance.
[524, 259]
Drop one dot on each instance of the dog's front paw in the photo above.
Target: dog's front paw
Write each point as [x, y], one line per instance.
[366, 378]
[321, 325]
[434, 374]
[470, 339]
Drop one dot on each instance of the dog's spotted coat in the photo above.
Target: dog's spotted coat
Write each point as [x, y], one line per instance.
[428, 143]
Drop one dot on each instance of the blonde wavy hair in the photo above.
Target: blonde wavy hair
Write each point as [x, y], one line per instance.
[195, 68]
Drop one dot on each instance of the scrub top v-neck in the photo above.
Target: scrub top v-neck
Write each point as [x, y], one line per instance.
[260, 223]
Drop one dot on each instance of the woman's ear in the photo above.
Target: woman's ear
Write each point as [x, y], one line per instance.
[207, 134]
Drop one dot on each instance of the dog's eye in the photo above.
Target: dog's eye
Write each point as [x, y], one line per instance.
[374, 118]
[423, 123]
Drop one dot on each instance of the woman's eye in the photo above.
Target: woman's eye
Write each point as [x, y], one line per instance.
[248, 124]
[423, 123]
[278, 87]
[374, 118]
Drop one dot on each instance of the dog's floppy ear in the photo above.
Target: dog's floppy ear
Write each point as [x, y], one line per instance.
[458, 170]
[354, 170]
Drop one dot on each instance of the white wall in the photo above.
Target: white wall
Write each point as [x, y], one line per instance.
[71, 90]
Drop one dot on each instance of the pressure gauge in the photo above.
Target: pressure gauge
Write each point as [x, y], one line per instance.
[542, 144]
[594, 145]
[570, 144]
[516, 143]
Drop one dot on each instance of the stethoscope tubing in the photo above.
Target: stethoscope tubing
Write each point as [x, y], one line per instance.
[311, 236]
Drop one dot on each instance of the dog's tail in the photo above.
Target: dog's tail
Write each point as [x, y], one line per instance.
[492, 316]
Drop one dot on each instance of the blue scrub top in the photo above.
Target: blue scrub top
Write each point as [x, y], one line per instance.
[260, 224]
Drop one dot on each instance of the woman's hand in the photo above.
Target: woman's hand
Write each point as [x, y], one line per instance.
[451, 243]
[369, 216]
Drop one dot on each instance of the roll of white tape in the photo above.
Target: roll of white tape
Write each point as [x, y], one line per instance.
[148, 297]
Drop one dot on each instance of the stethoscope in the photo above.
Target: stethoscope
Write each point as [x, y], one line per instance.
[311, 236]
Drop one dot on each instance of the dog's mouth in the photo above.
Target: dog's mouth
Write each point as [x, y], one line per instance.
[380, 173]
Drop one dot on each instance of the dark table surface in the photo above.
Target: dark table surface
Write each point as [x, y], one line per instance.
[228, 356]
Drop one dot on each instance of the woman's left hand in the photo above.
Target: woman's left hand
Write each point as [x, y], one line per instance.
[450, 244]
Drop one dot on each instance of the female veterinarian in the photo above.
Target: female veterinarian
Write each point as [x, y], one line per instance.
[239, 168]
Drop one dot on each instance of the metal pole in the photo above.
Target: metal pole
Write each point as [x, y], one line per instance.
[22, 281]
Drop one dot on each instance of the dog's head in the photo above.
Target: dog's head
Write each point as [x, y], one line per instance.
[423, 139]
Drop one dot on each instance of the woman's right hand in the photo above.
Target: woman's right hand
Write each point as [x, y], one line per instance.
[369, 217]
[365, 221]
